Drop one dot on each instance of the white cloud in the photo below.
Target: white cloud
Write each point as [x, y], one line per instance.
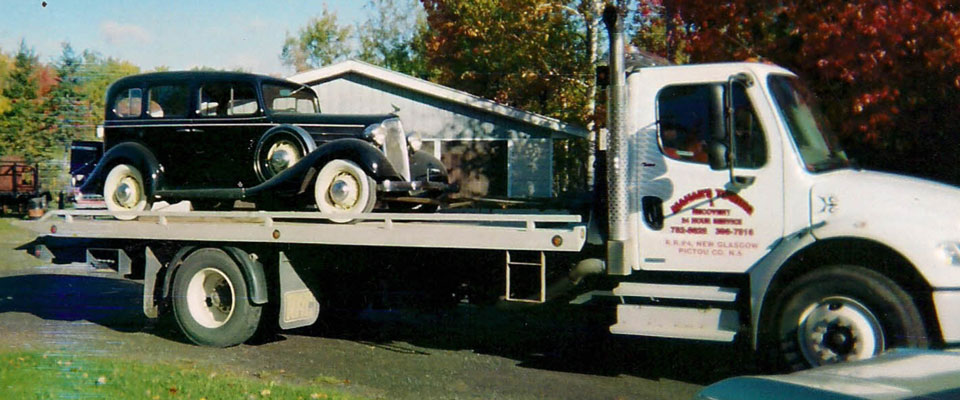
[116, 33]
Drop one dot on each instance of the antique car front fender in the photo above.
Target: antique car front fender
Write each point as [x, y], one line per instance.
[132, 153]
[296, 180]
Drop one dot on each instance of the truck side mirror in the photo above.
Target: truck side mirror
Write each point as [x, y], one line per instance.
[717, 155]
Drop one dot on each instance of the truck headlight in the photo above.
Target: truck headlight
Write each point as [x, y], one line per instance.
[949, 253]
[415, 141]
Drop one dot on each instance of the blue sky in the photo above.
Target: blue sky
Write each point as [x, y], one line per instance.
[180, 34]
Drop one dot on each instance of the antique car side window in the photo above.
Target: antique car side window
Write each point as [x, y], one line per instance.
[127, 103]
[685, 121]
[167, 101]
[226, 99]
[290, 99]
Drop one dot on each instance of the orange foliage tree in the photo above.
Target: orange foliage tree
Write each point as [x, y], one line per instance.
[888, 72]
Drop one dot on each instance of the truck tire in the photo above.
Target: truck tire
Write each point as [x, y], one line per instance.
[342, 187]
[124, 190]
[840, 313]
[210, 302]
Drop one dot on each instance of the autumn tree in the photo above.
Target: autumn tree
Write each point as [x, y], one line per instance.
[21, 125]
[888, 72]
[323, 41]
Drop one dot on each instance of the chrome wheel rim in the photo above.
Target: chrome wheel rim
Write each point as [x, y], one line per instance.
[282, 155]
[344, 191]
[838, 329]
[127, 193]
[211, 298]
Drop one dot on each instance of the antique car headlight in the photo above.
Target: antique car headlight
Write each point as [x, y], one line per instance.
[949, 253]
[376, 133]
[415, 141]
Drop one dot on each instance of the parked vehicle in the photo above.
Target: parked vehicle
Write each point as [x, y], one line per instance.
[217, 137]
[776, 241]
[19, 186]
[896, 374]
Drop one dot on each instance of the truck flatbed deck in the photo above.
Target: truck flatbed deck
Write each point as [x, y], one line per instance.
[546, 232]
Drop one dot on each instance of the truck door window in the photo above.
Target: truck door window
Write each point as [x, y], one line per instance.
[685, 123]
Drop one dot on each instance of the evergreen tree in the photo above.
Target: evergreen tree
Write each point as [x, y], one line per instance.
[21, 124]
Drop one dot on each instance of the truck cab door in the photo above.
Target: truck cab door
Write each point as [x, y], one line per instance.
[694, 217]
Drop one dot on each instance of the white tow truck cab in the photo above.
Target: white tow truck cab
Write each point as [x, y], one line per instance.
[730, 215]
[733, 181]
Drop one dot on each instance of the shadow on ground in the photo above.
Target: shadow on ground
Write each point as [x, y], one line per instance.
[545, 337]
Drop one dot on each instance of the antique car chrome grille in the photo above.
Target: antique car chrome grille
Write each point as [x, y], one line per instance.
[395, 148]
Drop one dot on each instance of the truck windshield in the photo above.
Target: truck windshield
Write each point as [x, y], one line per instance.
[290, 99]
[799, 109]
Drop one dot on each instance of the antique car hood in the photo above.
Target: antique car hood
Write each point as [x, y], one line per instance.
[329, 119]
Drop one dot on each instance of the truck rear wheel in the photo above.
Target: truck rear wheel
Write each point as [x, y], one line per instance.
[210, 302]
[840, 313]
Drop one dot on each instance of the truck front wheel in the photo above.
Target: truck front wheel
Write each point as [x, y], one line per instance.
[210, 302]
[840, 313]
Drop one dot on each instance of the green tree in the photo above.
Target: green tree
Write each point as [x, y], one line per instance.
[529, 54]
[67, 111]
[22, 128]
[323, 41]
[393, 36]
[98, 73]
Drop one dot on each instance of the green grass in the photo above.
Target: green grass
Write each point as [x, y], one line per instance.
[37, 375]
[12, 237]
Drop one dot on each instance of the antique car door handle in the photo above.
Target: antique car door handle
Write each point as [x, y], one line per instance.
[189, 130]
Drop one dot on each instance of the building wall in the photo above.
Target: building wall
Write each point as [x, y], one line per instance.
[529, 158]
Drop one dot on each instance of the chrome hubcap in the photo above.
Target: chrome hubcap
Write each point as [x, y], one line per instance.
[282, 155]
[127, 194]
[344, 191]
[838, 329]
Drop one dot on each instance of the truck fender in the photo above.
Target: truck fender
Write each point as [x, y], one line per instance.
[763, 272]
[251, 267]
[132, 153]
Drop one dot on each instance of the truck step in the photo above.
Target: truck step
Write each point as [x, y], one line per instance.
[711, 324]
[678, 292]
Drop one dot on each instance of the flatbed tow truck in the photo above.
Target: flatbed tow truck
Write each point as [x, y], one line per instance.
[726, 212]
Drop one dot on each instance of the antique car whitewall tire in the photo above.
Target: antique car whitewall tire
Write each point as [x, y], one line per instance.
[342, 187]
[840, 313]
[210, 301]
[124, 190]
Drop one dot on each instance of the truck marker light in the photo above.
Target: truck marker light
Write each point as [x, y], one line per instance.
[53, 229]
[276, 234]
[557, 241]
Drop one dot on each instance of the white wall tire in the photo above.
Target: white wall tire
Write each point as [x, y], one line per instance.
[210, 300]
[125, 190]
[343, 188]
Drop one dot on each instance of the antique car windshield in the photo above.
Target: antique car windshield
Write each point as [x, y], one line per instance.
[290, 99]
[798, 107]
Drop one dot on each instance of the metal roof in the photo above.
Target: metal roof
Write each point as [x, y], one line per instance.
[335, 71]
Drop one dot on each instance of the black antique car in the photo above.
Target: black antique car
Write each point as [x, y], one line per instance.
[217, 137]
